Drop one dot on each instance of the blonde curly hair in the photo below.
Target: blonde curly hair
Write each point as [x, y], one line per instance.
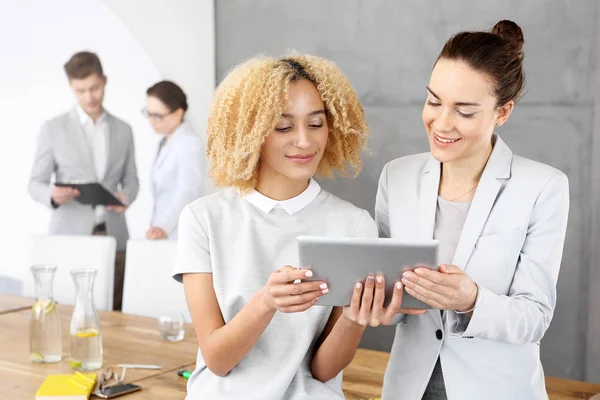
[249, 102]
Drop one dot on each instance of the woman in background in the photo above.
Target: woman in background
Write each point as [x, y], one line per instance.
[178, 170]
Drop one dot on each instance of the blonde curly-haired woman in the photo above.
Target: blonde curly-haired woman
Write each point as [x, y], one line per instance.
[274, 124]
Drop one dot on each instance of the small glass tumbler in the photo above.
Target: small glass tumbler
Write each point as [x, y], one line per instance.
[171, 327]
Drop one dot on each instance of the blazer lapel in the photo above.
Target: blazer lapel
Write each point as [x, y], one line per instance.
[161, 155]
[112, 145]
[164, 149]
[478, 213]
[84, 151]
[428, 194]
[497, 167]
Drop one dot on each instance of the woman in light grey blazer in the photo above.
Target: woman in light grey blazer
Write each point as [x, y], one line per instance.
[500, 220]
[178, 170]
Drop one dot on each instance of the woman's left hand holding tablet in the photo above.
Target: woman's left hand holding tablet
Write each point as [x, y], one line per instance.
[366, 306]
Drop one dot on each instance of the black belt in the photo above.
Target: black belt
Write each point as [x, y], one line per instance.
[99, 229]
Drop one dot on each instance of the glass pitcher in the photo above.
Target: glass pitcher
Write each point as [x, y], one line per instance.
[45, 341]
[86, 339]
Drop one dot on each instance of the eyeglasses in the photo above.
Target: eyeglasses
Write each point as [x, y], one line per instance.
[155, 116]
[109, 374]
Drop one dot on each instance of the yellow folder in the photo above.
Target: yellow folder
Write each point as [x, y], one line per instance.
[75, 386]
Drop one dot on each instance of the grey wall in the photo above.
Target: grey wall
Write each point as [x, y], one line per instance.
[593, 342]
[387, 49]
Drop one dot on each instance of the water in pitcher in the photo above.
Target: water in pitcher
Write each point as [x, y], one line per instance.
[86, 337]
[86, 350]
[45, 340]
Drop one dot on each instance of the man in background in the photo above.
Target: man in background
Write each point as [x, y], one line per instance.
[87, 144]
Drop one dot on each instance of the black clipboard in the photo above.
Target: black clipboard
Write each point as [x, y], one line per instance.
[93, 194]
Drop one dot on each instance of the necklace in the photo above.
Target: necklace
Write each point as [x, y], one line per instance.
[464, 194]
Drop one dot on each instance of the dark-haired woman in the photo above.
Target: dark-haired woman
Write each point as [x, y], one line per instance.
[178, 170]
[500, 220]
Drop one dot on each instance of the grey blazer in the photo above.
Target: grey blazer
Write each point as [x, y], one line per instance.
[63, 150]
[511, 246]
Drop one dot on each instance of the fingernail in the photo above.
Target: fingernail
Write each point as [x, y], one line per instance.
[358, 285]
[405, 281]
[370, 279]
[308, 273]
[379, 278]
[398, 285]
[325, 291]
[323, 286]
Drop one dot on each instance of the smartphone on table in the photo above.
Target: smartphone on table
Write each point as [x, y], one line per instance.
[117, 390]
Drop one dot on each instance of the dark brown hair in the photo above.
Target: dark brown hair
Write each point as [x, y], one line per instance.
[498, 54]
[83, 64]
[298, 71]
[170, 94]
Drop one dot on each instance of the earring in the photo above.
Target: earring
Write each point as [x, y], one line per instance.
[498, 124]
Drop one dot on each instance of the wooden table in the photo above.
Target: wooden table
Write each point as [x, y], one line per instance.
[565, 389]
[10, 303]
[127, 339]
[164, 386]
[363, 378]
[135, 340]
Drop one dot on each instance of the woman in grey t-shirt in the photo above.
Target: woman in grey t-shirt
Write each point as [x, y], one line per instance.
[274, 124]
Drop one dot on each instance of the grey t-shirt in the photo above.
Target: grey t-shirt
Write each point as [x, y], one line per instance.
[241, 245]
[450, 219]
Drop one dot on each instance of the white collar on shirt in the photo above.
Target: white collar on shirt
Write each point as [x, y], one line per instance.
[85, 119]
[291, 206]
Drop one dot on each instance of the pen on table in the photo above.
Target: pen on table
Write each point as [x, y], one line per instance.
[140, 366]
[184, 374]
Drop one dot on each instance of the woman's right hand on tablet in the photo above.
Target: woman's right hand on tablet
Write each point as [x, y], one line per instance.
[366, 306]
[282, 294]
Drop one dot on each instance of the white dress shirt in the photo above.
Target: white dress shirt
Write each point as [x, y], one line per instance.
[96, 135]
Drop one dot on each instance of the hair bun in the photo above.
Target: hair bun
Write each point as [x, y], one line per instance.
[509, 31]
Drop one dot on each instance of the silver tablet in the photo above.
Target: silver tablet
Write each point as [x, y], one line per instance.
[343, 261]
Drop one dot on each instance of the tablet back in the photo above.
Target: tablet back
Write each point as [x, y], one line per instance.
[341, 262]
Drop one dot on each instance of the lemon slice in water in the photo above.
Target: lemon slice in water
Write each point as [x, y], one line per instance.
[45, 305]
[36, 357]
[86, 333]
[74, 363]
